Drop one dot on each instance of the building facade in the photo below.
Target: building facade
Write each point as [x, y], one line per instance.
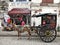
[36, 7]
[45, 6]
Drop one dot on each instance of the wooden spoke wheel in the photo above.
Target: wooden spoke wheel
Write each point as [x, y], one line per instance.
[47, 35]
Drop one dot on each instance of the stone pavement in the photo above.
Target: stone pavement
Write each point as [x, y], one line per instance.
[10, 38]
[58, 34]
[14, 33]
[25, 41]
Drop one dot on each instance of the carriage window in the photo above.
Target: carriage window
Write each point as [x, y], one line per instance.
[48, 19]
[19, 19]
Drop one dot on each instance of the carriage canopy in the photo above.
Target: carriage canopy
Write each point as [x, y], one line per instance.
[15, 11]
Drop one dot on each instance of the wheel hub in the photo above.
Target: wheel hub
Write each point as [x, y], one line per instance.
[48, 33]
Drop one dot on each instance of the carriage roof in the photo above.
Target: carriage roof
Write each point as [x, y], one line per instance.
[45, 14]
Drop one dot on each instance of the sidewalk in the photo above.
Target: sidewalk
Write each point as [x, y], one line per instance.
[14, 33]
[58, 34]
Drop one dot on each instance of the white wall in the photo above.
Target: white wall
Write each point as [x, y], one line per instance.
[37, 21]
[18, 5]
[21, 5]
[56, 1]
[5, 0]
[45, 10]
[49, 9]
[37, 1]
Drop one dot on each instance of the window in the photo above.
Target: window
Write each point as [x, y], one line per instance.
[20, 0]
[29, 0]
[11, 0]
[47, 1]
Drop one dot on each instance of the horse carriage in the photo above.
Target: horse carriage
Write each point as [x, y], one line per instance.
[47, 29]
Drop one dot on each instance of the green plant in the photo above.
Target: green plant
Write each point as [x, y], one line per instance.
[58, 28]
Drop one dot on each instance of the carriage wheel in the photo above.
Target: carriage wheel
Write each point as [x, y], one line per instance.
[47, 35]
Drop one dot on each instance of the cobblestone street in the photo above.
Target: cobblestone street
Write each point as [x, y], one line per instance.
[10, 38]
[25, 41]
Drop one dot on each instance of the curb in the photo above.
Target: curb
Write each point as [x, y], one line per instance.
[58, 35]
